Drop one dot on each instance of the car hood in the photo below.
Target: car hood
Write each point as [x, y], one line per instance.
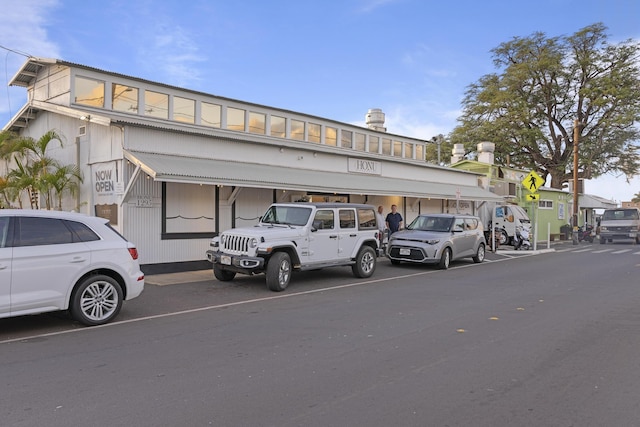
[268, 232]
[419, 235]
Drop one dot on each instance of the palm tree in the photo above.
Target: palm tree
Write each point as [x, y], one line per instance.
[636, 198]
[63, 179]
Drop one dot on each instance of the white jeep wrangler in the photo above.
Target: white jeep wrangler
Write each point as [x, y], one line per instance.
[299, 236]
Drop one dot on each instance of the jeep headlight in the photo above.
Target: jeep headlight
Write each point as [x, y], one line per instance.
[223, 239]
[603, 228]
[253, 243]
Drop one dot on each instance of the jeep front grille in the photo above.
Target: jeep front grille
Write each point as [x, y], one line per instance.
[238, 245]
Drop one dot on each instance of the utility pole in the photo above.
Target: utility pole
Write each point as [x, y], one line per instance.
[576, 140]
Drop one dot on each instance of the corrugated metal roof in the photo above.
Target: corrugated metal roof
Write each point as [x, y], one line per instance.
[170, 168]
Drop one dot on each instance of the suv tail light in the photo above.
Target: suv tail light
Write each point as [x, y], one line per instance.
[133, 252]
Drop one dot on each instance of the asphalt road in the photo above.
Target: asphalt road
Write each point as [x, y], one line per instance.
[545, 340]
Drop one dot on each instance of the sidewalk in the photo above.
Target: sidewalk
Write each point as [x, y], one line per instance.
[181, 277]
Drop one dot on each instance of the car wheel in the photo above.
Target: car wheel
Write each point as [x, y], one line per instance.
[503, 237]
[279, 271]
[365, 262]
[223, 275]
[96, 301]
[445, 259]
[480, 254]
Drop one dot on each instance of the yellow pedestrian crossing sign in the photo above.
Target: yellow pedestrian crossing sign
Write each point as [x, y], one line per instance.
[533, 196]
[532, 182]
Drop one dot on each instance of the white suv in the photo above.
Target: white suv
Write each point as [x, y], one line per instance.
[52, 260]
[299, 236]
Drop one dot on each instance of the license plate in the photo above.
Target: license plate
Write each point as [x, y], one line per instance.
[225, 259]
[405, 251]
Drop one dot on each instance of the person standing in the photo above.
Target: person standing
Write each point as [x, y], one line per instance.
[381, 224]
[394, 220]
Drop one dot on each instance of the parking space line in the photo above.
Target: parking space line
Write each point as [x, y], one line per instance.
[621, 251]
[603, 250]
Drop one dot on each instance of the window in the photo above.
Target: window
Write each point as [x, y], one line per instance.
[408, 150]
[386, 146]
[188, 209]
[545, 204]
[331, 136]
[397, 148]
[374, 144]
[512, 188]
[471, 223]
[89, 92]
[235, 119]
[346, 139]
[124, 98]
[297, 130]
[323, 220]
[4, 231]
[420, 152]
[367, 219]
[314, 132]
[43, 231]
[347, 218]
[257, 123]
[156, 104]
[278, 126]
[84, 233]
[360, 142]
[184, 110]
[210, 114]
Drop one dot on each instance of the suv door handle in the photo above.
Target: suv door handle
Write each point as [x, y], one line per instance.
[333, 237]
[352, 235]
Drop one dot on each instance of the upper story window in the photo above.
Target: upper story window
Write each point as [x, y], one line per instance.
[297, 130]
[184, 110]
[386, 146]
[124, 98]
[278, 126]
[314, 132]
[420, 152]
[397, 149]
[346, 139]
[210, 114]
[89, 92]
[408, 150]
[360, 142]
[156, 104]
[257, 123]
[331, 136]
[235, 119]
[374, 144]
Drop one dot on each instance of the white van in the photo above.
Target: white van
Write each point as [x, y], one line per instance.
[620, 224]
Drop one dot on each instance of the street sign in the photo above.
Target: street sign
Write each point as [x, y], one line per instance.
[532, 182]
[533, 196]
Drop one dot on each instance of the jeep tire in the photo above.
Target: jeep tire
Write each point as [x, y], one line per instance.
[278, 272]
[365, 262]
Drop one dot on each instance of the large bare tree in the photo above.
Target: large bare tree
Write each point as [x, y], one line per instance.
[543, 85]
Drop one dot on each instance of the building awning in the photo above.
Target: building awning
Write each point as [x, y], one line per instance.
[589, 201]
[171, 168]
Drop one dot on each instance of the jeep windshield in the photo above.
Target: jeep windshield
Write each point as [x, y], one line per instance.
[431, 223]
[286, 215]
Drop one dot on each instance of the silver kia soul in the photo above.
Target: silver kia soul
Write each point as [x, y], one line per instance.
[438, 239]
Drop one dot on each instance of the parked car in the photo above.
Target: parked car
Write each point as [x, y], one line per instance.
[299, 236]
[620, 224]
[52, 260]
[438, 239]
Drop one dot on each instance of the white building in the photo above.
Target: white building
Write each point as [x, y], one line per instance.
[172, 167]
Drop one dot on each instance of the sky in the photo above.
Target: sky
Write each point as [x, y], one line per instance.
[336, 59]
